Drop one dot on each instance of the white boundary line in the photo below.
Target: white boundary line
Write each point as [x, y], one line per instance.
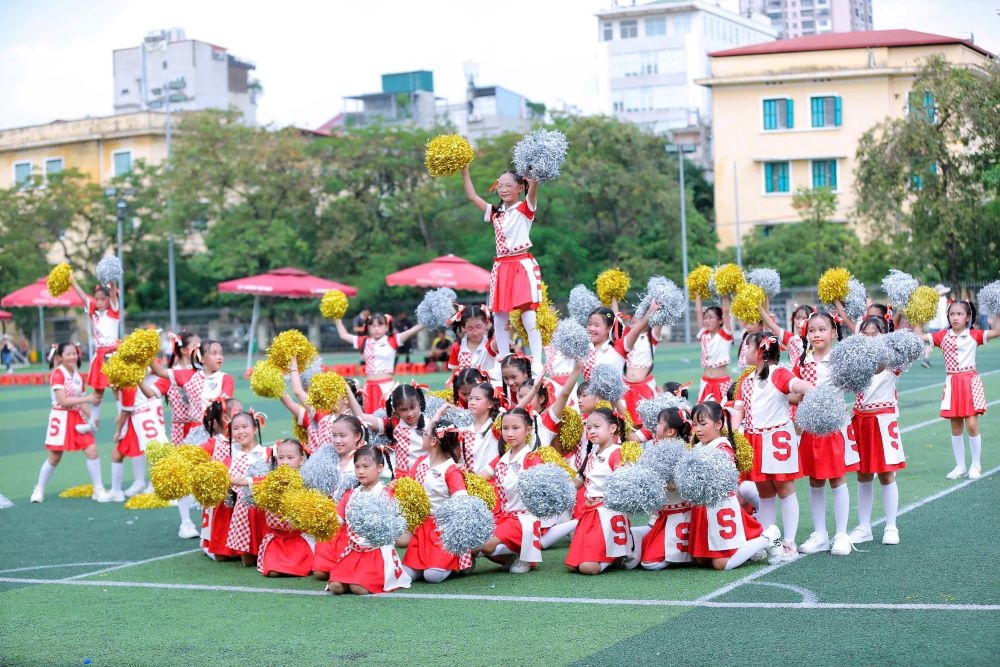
[914, 427]
[941, 384]
[58, 565]
[128, 564]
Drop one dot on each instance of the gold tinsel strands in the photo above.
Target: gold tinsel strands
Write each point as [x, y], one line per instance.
[612, 284]
[414, 504]
[922, 306]
[744, 453]
[300, 432]
[479, 487]
[145, 501]
[832, 285]
[81, 491]
[156, 450]
[267, 380]
[739, 381]
[210, 483]
[193, 454]
[570, 430]
[697, 282]
[548, 454]
[60, 279]
[333, 306]
[268, 492]
[546, 319]
[326, 391]
[745, 304]
[445, 395]
[626, 418]
[631, 451]
[123, 374]
[288, 344]
[728, 279]
[140, 347]
[311, 512]
[447, 154]
[171, 477]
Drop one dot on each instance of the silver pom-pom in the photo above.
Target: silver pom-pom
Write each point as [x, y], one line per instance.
[856, 301]
[662, 456]
[669, 296]
[988, 299]
[540, 154]
[822, 411]
[898, 286]
[465, 523]
[649, 409]
[437, 307]
[5, 502]
[768, 280]
[375, 518]
[196, 436]
[571, 340]
[109, 270]
[582, 302]
[349, 481]
[258, 469]
[308, 374]
[606, 382]
[322, 470]
[854, 361]
[546, 490]
[380, 413]
[902, 347]
[634, 490]
[705, 476]
[431, 405]
[459, 417]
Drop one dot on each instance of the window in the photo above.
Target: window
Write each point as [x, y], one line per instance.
[682, 24]
[825, 111]
[778, 114]
[22, 173]
[123, 162]
[808, 25]
[628, 29]
[923, 103]
[617, 101]
[824, 174]
[656, 26]
[164, 64]
[625, 64]
[649, 62]
[53, 166]
[776, 177]
[607, 31]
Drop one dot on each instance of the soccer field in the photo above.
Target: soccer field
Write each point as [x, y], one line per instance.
[80, 581]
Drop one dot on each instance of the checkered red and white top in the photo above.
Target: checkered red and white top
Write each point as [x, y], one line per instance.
[512, 227]
[959, 350]
[507, 468]
[880, 394]
[715, 347]
[608, 352]
[379, 355]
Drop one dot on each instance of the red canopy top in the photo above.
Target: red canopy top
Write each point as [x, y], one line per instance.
[37, 294]
[446, 271]
[288, 282]
[5, 315]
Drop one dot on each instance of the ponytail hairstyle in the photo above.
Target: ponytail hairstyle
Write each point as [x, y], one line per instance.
[677, 419]
[202, 351]
[466, 313]
[881, 323]
[970, 310]
[447, 435]
[529, 422]
[616, 328]
[465, 378]
[357, 428]
[352, 386]
[834, 326]
[180, 341]
[713, 412]
[520, 180]
[383, 317]
[376, 453]
[677, 389]
[403, 394]
[57, 350]
[768, 352]
[523, 366]
[215, 416]
[494, 395]
[613, 418]
[258, 419]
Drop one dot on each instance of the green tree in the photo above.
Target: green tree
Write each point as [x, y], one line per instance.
[815, 206]
[786, 249]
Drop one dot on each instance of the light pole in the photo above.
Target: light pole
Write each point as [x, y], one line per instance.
[681, 149]
[121, 208]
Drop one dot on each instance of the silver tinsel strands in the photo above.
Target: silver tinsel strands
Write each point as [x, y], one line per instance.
[822, 411]
[571, 340]
[109, 270]
[375, 518]
[988, 299]
[196, 436]
[856, 302]
[459, 417]
[669, 296]
[258, 469]
[346, 482]
[582, 302]
[540, 154]
[662, 456]
[634, 490]
[431, 405]
[606, 382]
[309, 373]
[854, 361]
[903, 347]
[705, 476]
[768, 280]
[5, 502]
[546, 490]
[322, 470]
[649, 409]
[465, 523]
[437, 307]
[898, 286]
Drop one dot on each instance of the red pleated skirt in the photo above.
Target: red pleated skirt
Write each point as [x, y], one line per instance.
[822, 456]
[425, 550]
[286, 552]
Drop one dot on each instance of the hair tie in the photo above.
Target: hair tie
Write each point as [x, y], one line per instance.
[52, 352]
[685, 416]
[494, 186]
[837, 319]
[951, 300]
[457, 317]
[484, 309]
[258, 417]
[680, 389]
[416, 385]
[441, 431]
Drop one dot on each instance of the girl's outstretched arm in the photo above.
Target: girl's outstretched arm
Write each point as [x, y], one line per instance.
[470, 191]
[532, 195]
[409, 333]
[80, 293]
[344, 334]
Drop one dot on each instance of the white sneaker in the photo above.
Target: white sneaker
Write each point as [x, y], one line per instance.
[520, 567]
[841, 545]
[631, 561]
[773, 550]
[94, 424]
[975, 471]
[101, 495]
[148, 489]
[860, 535]
[956, 472]
[817, 542]
[135, 489]
[117, 496]
[759, 556]
[83, 428]
[37, 494]
[790, 552]
[187, 531]
[890, 535]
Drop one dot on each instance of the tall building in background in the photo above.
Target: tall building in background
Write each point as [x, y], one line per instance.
[797, 18]
[167, 68]
[651, 55]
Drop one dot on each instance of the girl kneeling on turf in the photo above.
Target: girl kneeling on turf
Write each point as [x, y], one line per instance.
[284, 551]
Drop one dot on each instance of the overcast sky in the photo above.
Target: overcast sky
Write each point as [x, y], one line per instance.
[55, 55]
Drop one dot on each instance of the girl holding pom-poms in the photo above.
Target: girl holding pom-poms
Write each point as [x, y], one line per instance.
[105, 322]
[403, 424]
[216, 424]
[481, 439]
[611, 341]
[201, 385]
[285, 551]
[716, 345]
[790, 339]
[139, 422]
[475, 346]
[378, 350]
[181, 365]
[66, 429]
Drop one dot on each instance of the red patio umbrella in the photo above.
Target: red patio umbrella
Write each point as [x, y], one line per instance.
[288, 282]
[446, 271]
[5, 315]
[37, 294]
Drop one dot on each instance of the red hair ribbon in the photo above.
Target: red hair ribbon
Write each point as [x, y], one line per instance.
[680, 389]
[173, 338]
[494, 186]
[804, 328]
[416, 385]
[258, 417]
[501, 398]
[440, 431]
[225, 409]
[685, 416]
[457, 317]
[837, 318]
[951, 300]
[52, 351]
[484, 309]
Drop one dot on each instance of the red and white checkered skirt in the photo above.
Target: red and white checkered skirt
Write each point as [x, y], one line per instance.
[515, 283]
[714, 389]
[963, 395]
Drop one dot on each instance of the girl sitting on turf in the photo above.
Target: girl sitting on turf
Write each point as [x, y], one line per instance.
[284, 551]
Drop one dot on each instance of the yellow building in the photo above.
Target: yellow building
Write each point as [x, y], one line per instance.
[790, 114]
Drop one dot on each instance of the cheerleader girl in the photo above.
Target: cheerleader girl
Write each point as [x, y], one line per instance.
[358, 567]
[284, 551]
[378, 349]
[546, 412]
[439, 473]
[716, 342]
[201, 386]
[639, 378]
[963, 399]
[790, 339]
[516, 542]
[237, 535]
[611, 342]
[317, 423]
[216, 424]
[462, 384]
[105, 324]
[822, 458]
[182, 365]
[403, 425]
[474, 346]
[139, 422]
[516, 279]
[481, 441]
[347, 435]
[725, 534]
[69, 411]
[876, 431]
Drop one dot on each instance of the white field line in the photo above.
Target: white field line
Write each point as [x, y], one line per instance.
[58, 565]
[940, 385]
[808, 597]
[936, 420]
[128, 564]
[522, 598]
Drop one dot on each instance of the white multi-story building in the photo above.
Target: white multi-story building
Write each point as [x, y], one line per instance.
[651, 55]
[797, 18]
[167, 68]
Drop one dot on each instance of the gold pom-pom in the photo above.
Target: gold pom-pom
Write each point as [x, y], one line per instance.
[145, 501]
[570, 430]
[832, 285]
[612, 284]
[546, 319]
[193, 454]
[728, 279]
[171, 477]
[140, 347]
[326, 391]
[480, 487]
[746, 303]
[697, 282]
[445, 395]
[210, 483]
[334, 304]
[744, 453]
[498, 422]
[548, 454]
[288, 344]
[123, 374]
[267, 380]
[448, 154]
[300, 432]
[60, 279]
[922, 307]
[269, 492]
[156, 450]
[626, 418]
[631, 451]
[414, 504]
[739, 381]
[81, 491]
[311, 512]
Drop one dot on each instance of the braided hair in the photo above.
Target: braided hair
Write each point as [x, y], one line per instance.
[713, 412]
[400, 395]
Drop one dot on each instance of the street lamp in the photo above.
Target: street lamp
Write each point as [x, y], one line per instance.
[121, 208]
[681, 149]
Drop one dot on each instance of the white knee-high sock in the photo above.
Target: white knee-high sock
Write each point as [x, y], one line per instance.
[958, 449]
[45, 473]
[139, 469]
[743, 553]
[817, 505]
[749, 493]
[557, 532]
[94, 468]
[184, 507]
[117, 476]
[767, 510]
[416, 575]
[841, 509]
[890, 501]
[530, 322]
[638, 534]
[434, 575]
[976, 447]
[500, 334]
[503, 550]
[789, 517]
[866, 497]
[605, 566]
[662, 565]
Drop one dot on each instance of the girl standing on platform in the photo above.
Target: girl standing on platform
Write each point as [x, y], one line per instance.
[105, 323]
[716, 345]
[378, 349]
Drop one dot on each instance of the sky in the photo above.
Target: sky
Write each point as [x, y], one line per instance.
[56, 55]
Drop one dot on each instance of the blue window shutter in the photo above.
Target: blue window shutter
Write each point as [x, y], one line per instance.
[768, 175]
[770, 115]
[789, 114]
[837, 115]
[817, 175]
[816, 104]
[833, 172]
[929, 106]
[783, 178]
